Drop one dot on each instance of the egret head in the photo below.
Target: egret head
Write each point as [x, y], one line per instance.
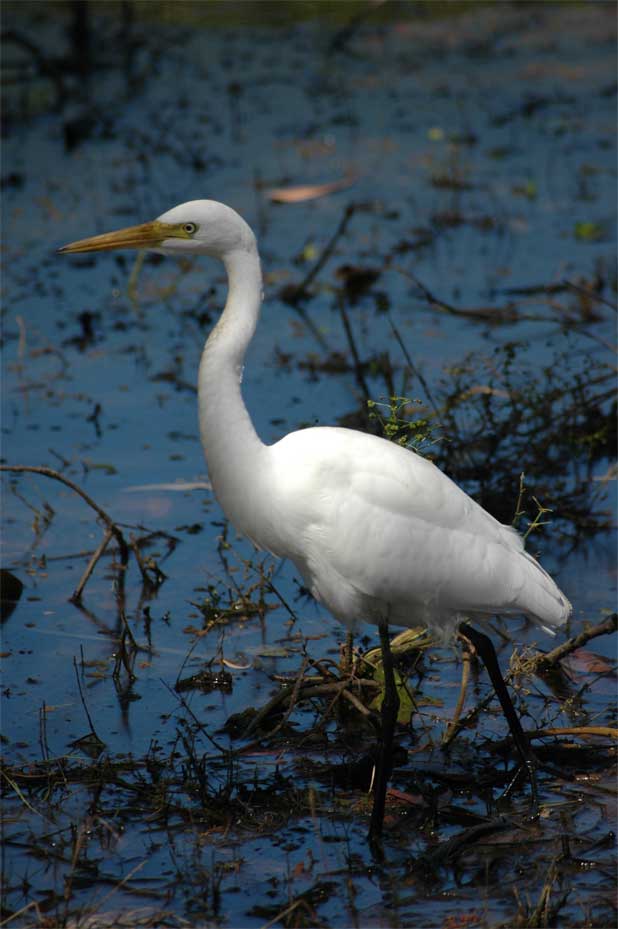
[199, 227]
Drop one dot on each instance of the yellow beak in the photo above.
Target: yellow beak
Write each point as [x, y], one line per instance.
[146, 235]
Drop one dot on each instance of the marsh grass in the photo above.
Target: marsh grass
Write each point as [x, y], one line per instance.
[317, 769]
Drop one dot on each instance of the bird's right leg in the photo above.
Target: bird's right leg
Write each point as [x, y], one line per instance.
[390, 709]
[487, 653]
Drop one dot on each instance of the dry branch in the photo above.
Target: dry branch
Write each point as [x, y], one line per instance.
[112, 528]
[542, 662]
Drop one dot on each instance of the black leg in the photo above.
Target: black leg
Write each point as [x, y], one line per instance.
[390, 709]
[487, 653]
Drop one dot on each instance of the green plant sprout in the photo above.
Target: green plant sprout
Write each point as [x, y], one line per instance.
[393, 415]
[538, 520]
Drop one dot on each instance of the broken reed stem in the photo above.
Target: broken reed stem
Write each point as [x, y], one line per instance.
[284, 913]
[15, 787]
[76, 596]
[112, 528]
[121, 883]
[84, 705]
[29, 906]
[461, 699]
[149, 580]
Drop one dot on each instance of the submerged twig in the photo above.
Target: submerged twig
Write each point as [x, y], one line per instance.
[489, 314]
[414, 370]
[450, 849]
[112, 528]
[15, 787]
[295, 292]
[85, 705]
[358, 367]
[151, 574]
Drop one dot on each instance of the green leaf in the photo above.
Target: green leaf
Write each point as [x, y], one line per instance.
[407, 705]
[589, 232]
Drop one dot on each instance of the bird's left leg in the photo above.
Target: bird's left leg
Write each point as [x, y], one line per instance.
[390, 709]
[486, 651]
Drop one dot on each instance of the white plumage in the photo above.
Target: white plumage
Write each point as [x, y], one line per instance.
[377, 532]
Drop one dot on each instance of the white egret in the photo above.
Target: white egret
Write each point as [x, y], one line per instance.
[377, 532]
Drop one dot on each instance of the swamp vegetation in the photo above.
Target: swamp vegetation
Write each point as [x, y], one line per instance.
[187, 740]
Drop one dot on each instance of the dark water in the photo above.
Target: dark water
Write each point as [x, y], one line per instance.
[480, 147]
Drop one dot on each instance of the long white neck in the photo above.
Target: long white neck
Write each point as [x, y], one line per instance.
[234, 452]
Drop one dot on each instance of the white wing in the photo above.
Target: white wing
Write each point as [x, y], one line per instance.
[377, 530]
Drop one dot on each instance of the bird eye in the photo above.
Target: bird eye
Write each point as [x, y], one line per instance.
[189, 228]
